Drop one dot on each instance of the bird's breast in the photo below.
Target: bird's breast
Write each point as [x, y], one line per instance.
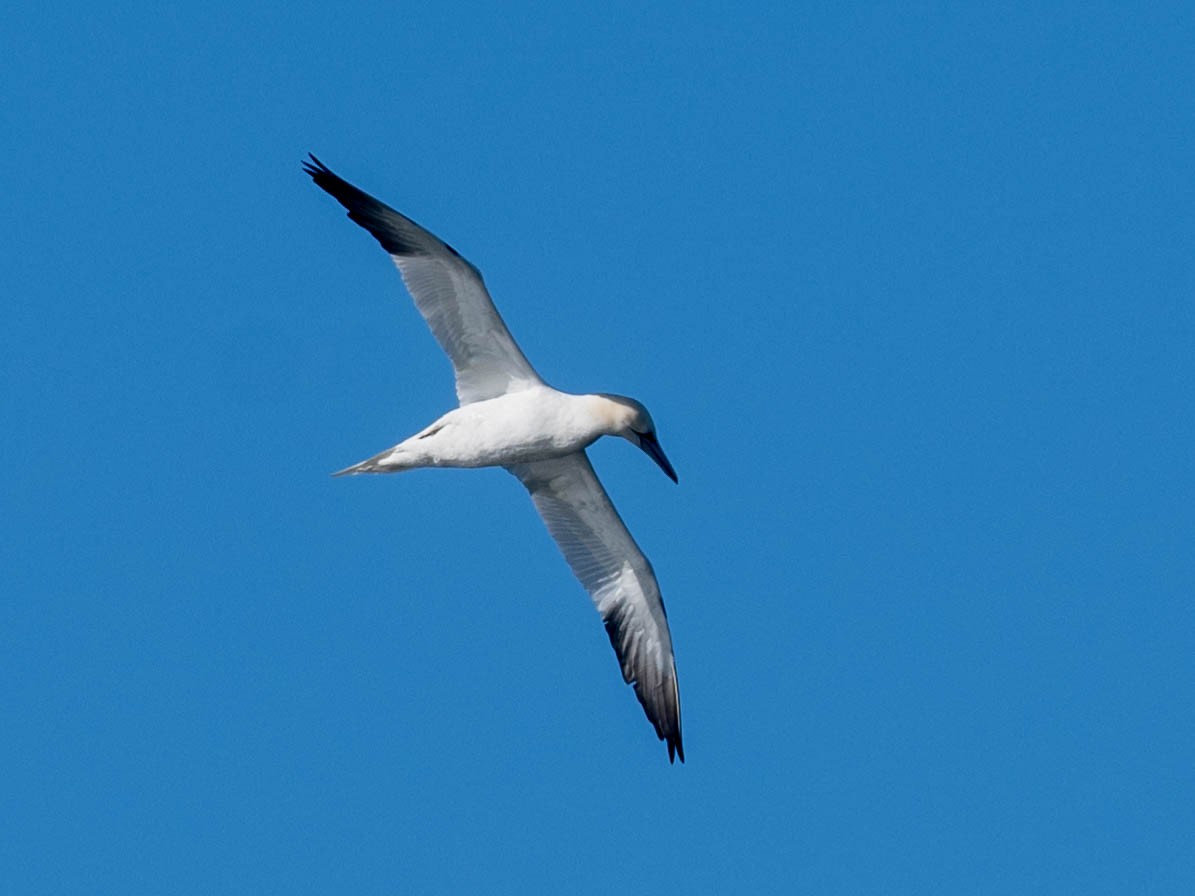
[517, 428]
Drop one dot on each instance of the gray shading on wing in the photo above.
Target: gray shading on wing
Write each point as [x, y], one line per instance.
[605, 558]
[448, 292]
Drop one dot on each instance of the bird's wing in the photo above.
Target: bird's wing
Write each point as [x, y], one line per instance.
[604, 556]
[448, 292]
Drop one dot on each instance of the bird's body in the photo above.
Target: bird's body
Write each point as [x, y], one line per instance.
[509, 417]
[534, 424]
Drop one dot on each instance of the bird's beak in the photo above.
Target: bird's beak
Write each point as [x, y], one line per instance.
[651, 447]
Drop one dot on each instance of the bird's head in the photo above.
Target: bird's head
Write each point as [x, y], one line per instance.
[631, 420]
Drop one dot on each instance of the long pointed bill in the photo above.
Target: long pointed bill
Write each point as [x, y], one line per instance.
[652, 449]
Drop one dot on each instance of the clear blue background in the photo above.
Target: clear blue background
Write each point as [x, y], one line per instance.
[909, 294]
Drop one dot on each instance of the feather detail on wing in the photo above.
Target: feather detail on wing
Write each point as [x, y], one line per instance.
[448, 291]
[619, 578]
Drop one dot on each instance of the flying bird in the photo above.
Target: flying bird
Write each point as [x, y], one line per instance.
[509, 417]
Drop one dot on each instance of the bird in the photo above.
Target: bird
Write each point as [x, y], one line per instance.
[509, 417]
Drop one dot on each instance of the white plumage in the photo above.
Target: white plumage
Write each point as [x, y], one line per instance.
[509, 417]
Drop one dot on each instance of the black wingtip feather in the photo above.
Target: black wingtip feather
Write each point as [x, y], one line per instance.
[315, 166]
[668, 726]
[675, 747]
[397, 233]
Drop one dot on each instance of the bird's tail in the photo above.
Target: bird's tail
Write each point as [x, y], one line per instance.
[389, 461]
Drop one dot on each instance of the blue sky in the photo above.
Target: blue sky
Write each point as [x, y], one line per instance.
[909, 294]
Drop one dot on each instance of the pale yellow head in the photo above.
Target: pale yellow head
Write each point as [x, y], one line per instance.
[628, 418]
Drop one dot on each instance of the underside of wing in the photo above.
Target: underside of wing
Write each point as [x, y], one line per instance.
[619, 578]
[447, 290]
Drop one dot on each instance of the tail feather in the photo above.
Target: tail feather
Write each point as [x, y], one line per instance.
[386, 462]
